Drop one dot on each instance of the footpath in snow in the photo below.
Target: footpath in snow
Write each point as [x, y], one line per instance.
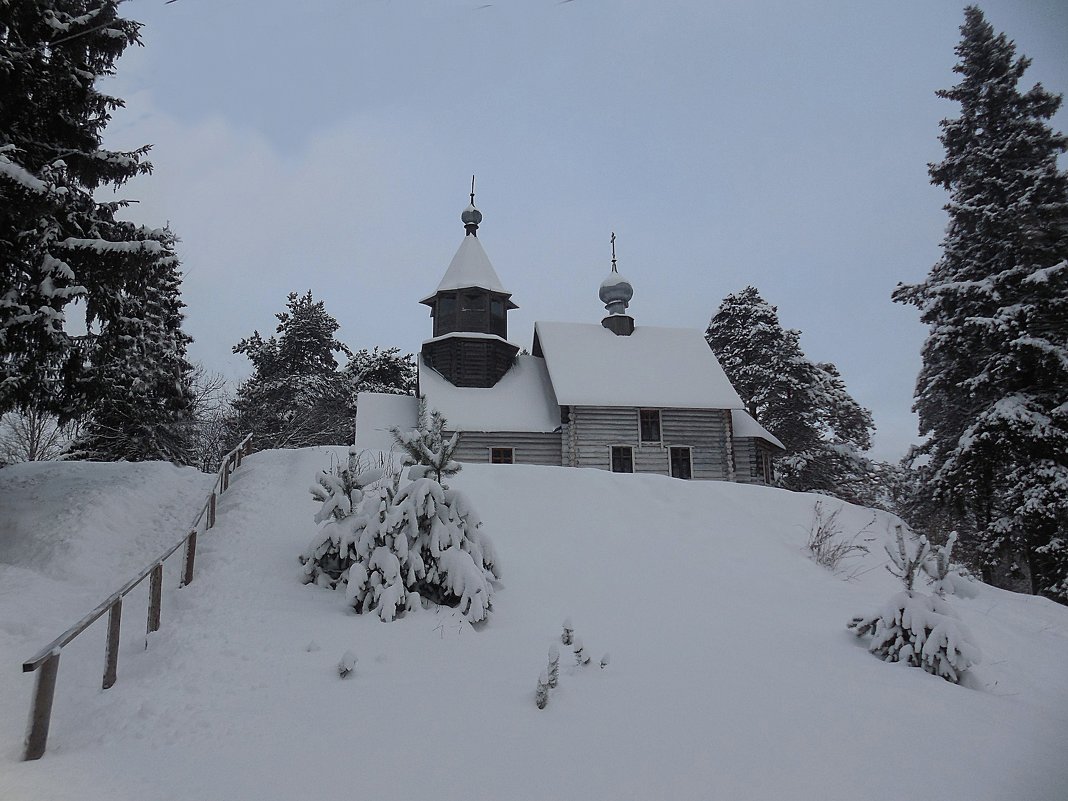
[732, 674]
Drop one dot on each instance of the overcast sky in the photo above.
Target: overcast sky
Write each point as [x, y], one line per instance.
[329, 146]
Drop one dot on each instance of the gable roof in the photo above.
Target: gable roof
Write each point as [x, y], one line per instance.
[522, 400]
[654, 367]
[470, 267]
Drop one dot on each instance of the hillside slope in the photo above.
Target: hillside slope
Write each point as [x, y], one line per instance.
[731, 675]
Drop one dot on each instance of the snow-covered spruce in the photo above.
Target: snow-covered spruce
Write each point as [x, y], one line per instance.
[394, 546]
[426, 451]
[568, 636]
[554, 665]
[541, 695]
[918, 629]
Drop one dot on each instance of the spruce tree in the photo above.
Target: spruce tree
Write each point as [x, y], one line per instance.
[296, 396]
[992, 396]
[57, 243]
[141, 396]
[805, 405]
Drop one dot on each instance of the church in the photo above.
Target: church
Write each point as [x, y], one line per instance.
[612, 395]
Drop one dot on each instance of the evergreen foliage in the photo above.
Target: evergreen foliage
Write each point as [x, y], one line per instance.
[380, 370]
[992, 396]
[912, 627]
[395, 546]
[804, 404]
[141, 396]
[426, 451]
[296, 396]
[57, 243]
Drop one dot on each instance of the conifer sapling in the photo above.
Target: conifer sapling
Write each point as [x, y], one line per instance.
[554, 665]
[541, 697]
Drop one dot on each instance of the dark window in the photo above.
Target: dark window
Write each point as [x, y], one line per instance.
[497, 307]
[502, 456]
[447, 306]
[475, 303]
[622, 459]
[680, 463]
[649, 420]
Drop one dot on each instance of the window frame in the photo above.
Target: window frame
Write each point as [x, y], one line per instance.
[612, 457]
[642, 426]
[493, 451]
[689, 461]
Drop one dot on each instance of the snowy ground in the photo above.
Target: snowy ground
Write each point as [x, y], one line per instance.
[732, 674]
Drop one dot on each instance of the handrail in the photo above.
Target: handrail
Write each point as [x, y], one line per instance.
[48, 657]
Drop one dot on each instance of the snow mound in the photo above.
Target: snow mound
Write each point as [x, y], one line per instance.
[732, 675]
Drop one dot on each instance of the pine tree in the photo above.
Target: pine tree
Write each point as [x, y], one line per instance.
[296, 396]
[992, 395]
[805, 405]
[377, 370]
[57, 243]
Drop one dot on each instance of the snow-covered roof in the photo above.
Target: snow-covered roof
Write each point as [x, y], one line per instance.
[377, 413]
[522, 400]
[745, 425]
[662, 367]
[470, 267]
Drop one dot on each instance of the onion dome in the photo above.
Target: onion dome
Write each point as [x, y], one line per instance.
[615, 292]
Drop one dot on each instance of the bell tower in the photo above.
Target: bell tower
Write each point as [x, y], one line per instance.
[470, 346]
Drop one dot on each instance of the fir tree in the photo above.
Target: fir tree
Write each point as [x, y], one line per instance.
[141, 397]
[992, 396]
[805, 405]
[57, 243]
[296, 396]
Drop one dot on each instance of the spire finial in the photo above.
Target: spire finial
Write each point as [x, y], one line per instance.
[614, 252]
[471, 216]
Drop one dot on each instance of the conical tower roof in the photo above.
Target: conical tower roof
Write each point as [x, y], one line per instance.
[470, 268]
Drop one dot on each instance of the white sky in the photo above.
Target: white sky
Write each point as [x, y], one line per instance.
[329, 146]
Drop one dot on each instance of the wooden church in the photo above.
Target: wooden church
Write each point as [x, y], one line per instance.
[614, 395]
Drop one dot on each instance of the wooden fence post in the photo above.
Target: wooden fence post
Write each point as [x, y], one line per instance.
[190, 555]
[225, 483]
[211, 510]
[155, 600]
[111, 655]
[237, 458]
[41, 713]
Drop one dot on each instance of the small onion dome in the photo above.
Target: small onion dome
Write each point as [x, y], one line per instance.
[615, 293]
[471, 218]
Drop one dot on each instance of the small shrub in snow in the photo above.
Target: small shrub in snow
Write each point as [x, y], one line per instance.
[912, 627]
[825, 543]
[554, 665]
[541, 696]
[581, 657]
[347, 666]
[393, 546]
[604, 661]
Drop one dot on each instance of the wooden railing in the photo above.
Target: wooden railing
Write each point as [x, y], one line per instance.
[46, 662]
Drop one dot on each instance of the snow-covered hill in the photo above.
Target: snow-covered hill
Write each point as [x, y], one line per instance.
[731, 674]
